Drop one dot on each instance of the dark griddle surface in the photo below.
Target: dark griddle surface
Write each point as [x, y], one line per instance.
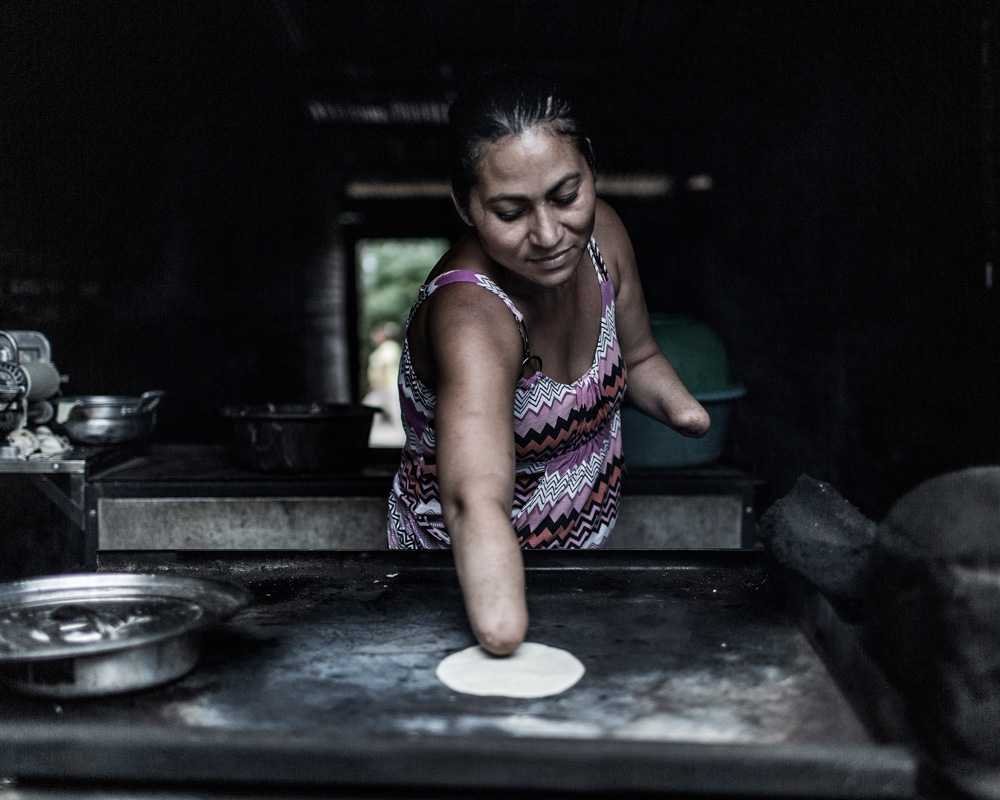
[697, 680]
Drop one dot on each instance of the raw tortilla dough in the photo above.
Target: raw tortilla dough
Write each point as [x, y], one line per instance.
[534, 670]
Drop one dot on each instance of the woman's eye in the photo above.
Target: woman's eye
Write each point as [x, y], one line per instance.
[566, 199]
[508, 216]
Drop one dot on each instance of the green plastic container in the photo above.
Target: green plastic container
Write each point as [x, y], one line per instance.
[700, 359]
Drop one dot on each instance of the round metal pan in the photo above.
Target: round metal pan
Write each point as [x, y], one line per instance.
[107, 419]
[105, 633]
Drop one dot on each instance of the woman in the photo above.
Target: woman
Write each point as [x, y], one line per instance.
[515, 357]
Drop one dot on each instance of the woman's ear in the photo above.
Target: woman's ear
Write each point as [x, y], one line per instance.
[460, 210]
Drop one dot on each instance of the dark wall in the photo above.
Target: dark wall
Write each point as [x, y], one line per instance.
[842, 253]
[170, 212]
[163, 224]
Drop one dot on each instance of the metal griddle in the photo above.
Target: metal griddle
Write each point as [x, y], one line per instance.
[699, 680]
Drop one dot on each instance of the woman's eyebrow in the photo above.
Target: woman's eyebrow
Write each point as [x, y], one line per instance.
[497, 198]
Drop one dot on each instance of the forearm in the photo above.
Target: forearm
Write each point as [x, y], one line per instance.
[476, 358]
[655, 389]
[491, 574]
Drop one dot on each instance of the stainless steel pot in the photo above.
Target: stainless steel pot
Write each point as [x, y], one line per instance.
[107, 419]
[97, 634]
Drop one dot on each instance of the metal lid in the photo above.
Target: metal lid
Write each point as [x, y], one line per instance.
[67, 616]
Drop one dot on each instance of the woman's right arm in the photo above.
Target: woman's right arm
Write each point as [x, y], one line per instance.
[474, 355]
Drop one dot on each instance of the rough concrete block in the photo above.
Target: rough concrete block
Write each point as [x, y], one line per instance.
[819, 535]
[933, 621]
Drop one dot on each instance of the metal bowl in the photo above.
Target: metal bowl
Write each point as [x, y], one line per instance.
[96, 634]
[301, 437]
[107, 419]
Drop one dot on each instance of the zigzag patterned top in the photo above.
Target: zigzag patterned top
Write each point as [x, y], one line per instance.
[567, 443]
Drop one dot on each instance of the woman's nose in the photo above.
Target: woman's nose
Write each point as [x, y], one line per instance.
[546, 230]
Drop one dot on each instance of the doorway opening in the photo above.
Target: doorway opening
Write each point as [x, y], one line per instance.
[390, 273]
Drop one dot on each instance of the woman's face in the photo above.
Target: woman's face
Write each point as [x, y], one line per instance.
[533, 206]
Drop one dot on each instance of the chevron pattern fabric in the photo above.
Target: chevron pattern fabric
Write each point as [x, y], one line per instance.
[568, 444]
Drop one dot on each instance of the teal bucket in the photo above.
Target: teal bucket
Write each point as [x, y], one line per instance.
[698, 356]
[648, 443]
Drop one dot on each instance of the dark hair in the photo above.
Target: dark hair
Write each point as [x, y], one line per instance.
[507, 103]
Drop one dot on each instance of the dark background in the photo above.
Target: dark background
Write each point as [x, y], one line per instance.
[172, 215]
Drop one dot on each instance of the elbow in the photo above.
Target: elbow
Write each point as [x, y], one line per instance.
[693, 421]
[702, 423]
[502, 636]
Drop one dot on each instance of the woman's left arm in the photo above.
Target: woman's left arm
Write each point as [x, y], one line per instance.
[654, 387]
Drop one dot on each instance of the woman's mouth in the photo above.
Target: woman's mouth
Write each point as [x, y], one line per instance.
[553, 261]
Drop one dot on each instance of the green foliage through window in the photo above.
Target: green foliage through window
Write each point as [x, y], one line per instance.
[390, 273]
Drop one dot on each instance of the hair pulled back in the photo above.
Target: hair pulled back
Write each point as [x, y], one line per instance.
[501, 104]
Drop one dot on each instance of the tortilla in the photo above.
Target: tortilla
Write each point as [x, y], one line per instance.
[534, 670]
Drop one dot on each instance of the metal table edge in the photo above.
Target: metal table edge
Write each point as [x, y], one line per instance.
[67, 751]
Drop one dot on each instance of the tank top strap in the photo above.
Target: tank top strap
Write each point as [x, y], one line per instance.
[470, 276]
[598, 260]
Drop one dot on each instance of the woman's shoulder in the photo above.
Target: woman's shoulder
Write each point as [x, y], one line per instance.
[463, 297]
[470, 278]
[463, 325]
[465, 255]
[612, 240]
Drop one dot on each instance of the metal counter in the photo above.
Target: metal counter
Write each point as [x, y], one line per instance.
[197, 496]
[700, 680]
